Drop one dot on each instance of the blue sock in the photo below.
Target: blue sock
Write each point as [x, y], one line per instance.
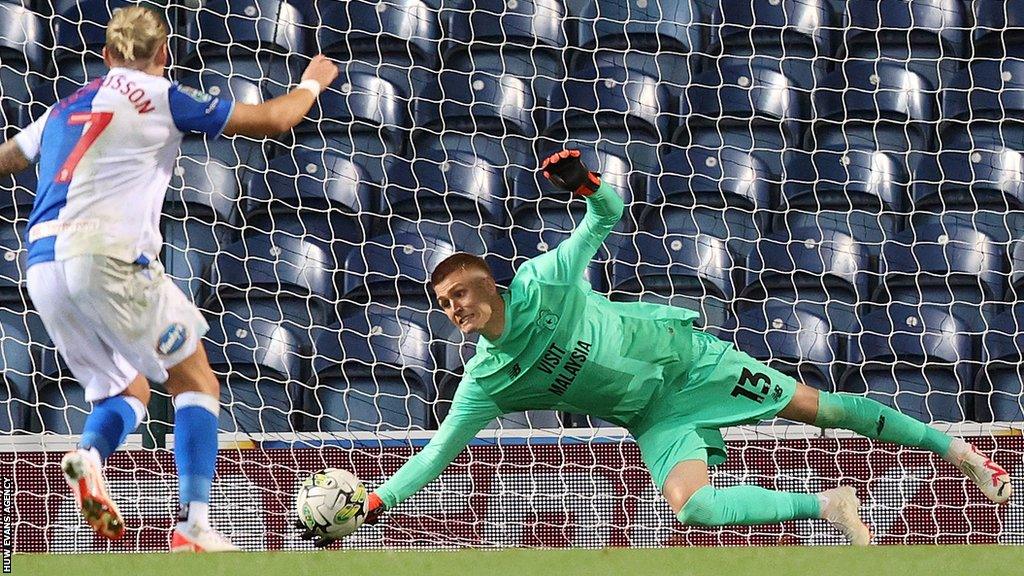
[195, 444]
[109, 423]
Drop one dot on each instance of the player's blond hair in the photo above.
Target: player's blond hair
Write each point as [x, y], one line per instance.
[135, 33]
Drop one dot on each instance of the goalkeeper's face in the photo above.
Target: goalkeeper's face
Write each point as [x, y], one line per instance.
[468, 297]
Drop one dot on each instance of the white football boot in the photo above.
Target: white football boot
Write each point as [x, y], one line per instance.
[991, 478]
[841, 507]
[90, 490]
[199, 538]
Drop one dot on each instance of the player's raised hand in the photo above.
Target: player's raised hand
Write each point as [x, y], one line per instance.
[321, 69]
[566, 170]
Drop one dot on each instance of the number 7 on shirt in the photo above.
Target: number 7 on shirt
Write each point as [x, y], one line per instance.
[95, 123]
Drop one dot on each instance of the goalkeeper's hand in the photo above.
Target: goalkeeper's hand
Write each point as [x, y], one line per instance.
[566, 170]
[374, 508]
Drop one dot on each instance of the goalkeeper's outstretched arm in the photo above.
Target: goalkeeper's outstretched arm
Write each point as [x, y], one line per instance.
[566, 263]
[471, 410]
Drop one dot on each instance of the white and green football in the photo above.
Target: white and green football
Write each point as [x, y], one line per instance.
[332, 503]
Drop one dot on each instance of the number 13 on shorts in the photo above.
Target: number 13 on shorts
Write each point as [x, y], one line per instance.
[755, 386]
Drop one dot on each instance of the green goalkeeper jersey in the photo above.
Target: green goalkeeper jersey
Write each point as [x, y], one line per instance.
[564, 347]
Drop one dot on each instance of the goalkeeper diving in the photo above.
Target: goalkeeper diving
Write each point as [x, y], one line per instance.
[551, 343]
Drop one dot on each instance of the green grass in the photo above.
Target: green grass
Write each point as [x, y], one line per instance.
[778, 561]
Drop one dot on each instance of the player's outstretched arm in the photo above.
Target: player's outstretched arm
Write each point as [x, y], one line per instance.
[284, 112]
[567, 171]
[12, 159]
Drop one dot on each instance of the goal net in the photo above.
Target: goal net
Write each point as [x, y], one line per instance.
[834, 186]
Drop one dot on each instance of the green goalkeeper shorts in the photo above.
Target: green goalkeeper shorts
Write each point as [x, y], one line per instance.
[725, 387]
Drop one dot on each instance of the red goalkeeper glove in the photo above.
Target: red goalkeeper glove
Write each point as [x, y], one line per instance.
[374, 508]
[566, 170]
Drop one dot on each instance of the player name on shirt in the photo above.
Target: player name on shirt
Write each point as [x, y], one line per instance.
[553, 357]
[136, 95]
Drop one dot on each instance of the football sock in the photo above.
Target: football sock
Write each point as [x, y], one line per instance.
[195, 449]
[109, 423]
[746, 505]
[875, 420]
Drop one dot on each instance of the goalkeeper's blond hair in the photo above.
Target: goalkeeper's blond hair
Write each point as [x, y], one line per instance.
[134, 35]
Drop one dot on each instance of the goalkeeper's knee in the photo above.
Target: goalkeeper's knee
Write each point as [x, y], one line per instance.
[700, 508]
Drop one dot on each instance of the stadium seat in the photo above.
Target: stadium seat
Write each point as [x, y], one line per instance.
[801, 28]
[394, 267]
[260, 365]
[446, 185]
[80, 30]
[14, 263]
[245, 156]
[59, 399]
[222, 27]
[296, 274]
[17, 194]
[23, 49]
[234, 87]
[870, 229]
[739, 227]
[200, 217]
[649, 27]
[999, 29]
[274, 74]
[525, 24]
[919, 359]
[998, 385]
[533, 238]
[621, 104]
[793, 338]
[824, 267]
[878, 93]
[974, 170]
[480, 101]
[374, 371]
[541, 69]
[324, 198]
[405, 32]
[692, 271]
[513, 153]
[862, 178]
[20, 353]
[714, 178]
[986, 90]
[929, 37]
[960, 260]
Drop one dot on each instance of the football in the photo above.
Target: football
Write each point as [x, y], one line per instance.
[332, 503]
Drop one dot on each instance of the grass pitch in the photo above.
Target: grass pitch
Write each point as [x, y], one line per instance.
[776, 561]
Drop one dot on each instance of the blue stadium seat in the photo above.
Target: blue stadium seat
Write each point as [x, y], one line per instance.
[999, 29]
[801, 28]
[374, 371]
[319, 197]
[999, 381]
[17, 194]
[260, 365]
[986, 89]
[406, 32]
[296, 274]
[524, 24]
[446, 185]
[23, 48]
[232, 86]
[825, 267]
[222, 27]
[60, 400]
[513, 153]
[716, 178]
[275, 74]
[481, 101]
[670, 69]
[531, 238]
[739, 227]
[963, 261]
[881, 93]
[692, 271]
[244, 155]
[20, 352]
[200, 218]
[540, 69]
[971, 172]
[862, 178]
[647, 27]
[621, 104]
[919, 359]
[869, 229]
[792, 338]
[13, 261]
[80, 30]
[929, 37]
[395, 266]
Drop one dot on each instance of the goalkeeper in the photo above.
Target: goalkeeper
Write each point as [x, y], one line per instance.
[550, 342]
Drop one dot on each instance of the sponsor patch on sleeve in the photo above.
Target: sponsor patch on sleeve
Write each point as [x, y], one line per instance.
[197, 95]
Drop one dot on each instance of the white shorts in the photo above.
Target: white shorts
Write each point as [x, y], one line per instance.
[111, 320]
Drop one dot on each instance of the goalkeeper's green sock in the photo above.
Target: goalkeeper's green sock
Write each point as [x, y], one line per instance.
[877, 421]
[746, 505]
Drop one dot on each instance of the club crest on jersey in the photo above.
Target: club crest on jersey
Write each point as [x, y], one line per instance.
[172, 339]
[547, 319]
[197, 95]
